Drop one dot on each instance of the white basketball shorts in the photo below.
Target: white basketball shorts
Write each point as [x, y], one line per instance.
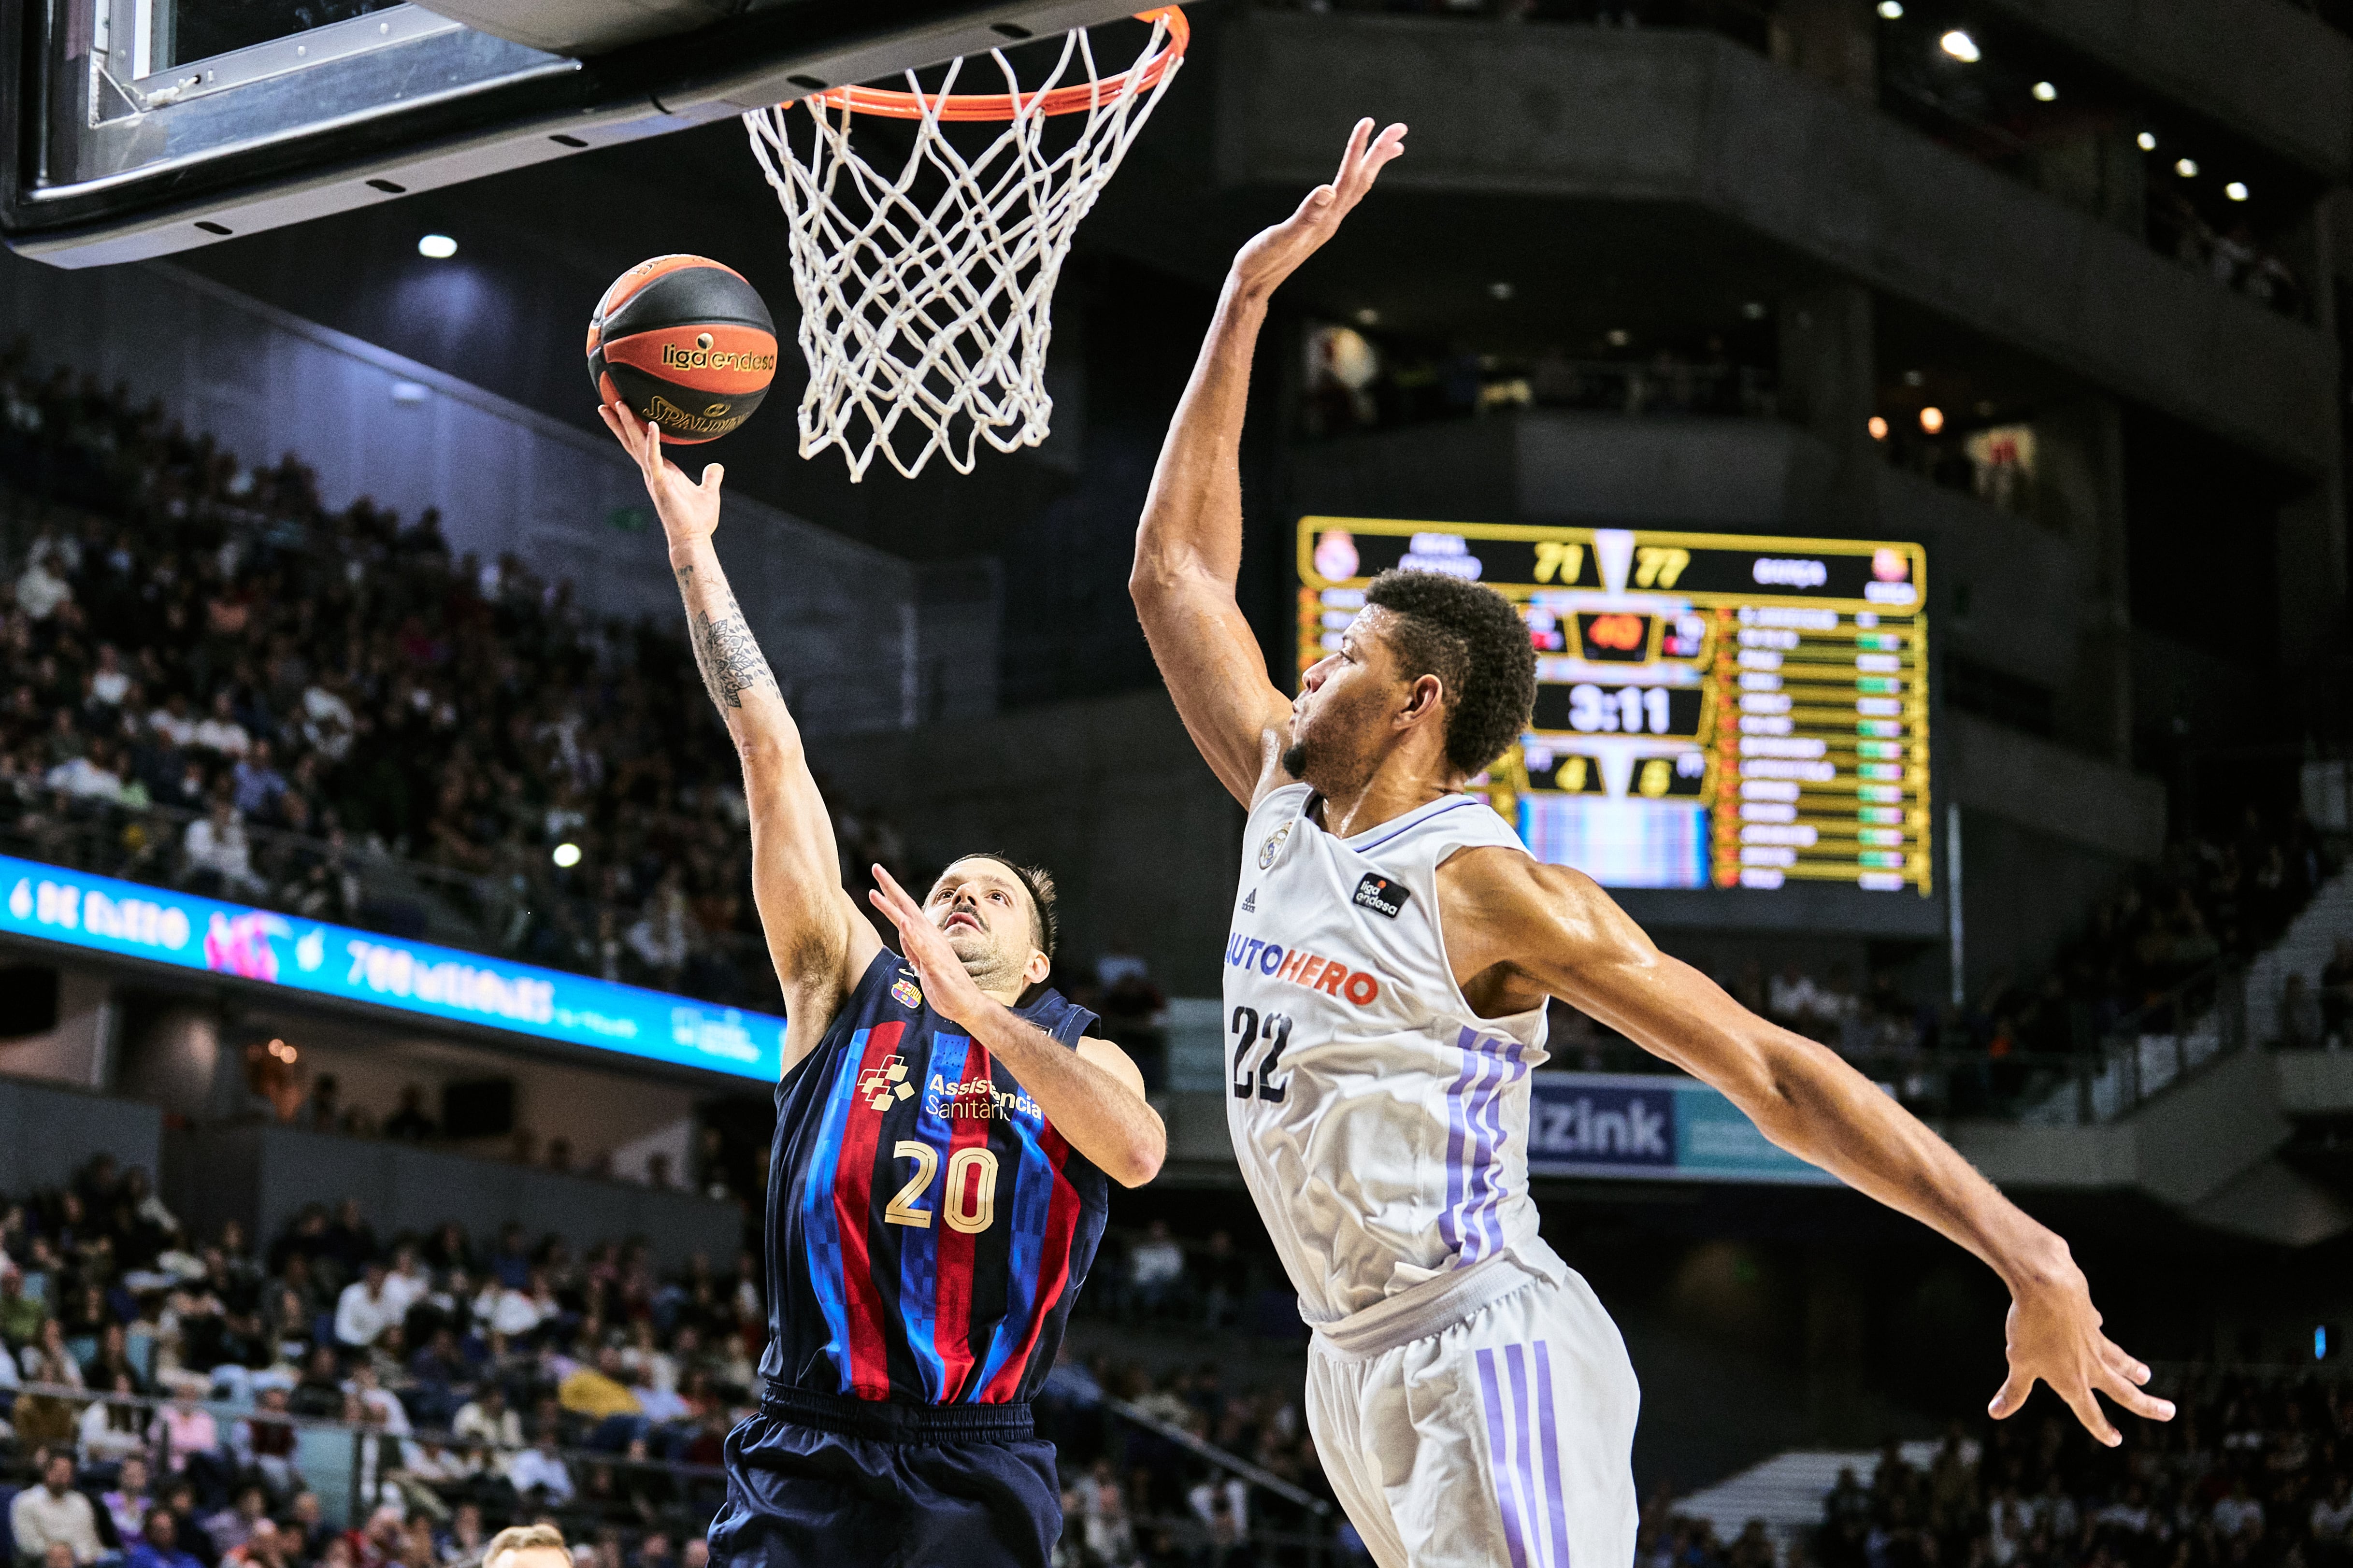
[1500, 1440]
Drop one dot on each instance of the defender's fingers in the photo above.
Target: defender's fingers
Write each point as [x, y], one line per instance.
[1359, 135]
[1352, 162]
[2011, 1394]
[2122, 1362]
[2140, 1402]
[2086, 1406]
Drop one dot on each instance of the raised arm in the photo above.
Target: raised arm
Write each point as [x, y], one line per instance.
[818, 938]
[1522, 928]
[1188, 547]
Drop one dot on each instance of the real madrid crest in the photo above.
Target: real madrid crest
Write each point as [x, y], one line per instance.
[903, 992]
[1273, 847]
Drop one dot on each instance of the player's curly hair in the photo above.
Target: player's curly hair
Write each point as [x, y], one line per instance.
[1474, 641]
[1039, 882]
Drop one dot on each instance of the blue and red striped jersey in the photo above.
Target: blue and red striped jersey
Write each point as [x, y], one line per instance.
[928, 1228]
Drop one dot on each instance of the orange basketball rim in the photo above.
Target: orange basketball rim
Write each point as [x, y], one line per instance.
[898, 104]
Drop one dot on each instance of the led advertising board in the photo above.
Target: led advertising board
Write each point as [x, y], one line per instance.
[1712, 710]
[415, 979]
[1650, 1127]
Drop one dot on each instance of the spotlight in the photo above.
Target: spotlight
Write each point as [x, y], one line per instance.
[2146, 141]
[1914, 378]
[566, 855]
[1367, 316]
[1499, 291]
[1754, 310]
[1619, 337]
[1932, 419]
[2236, 191]
[1878, 428]
[436, 248]
[1892, 10]
[1961, 46]
[2186, 168]
[2044, 92]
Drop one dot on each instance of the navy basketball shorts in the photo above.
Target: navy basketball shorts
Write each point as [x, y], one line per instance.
[820, 1482]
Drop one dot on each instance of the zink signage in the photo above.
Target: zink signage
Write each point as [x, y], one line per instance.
[1673, 1128]
[131, 920]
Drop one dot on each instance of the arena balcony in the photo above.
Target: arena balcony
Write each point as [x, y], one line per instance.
[1759, 176]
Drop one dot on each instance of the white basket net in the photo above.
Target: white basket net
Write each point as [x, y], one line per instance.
[926, 313]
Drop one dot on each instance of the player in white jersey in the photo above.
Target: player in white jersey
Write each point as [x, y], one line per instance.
[1392, 953]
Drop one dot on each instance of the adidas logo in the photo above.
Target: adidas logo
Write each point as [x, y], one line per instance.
[1250, 902]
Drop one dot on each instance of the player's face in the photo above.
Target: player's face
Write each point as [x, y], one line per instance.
[985, 911]
[1335, 722]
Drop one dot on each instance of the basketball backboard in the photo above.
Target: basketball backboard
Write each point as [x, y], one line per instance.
[146, 127]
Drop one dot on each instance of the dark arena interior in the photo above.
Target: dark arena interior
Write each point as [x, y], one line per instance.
[1914, 435]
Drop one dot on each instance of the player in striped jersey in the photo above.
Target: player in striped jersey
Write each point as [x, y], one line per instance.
[946, 1135]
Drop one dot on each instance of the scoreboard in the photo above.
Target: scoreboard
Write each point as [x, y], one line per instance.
[1712, 710]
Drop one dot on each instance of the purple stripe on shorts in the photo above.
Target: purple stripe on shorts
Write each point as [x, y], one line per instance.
[1516, 1358]
[1449, 1228]
[1551, 1457]
[1506, 1502]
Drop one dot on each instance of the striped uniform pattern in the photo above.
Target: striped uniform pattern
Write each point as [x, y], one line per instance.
[928, 1227]
[1382, 1126]
[1493, 1065]
[1515, 1391]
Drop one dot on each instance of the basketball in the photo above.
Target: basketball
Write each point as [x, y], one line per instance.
[687, 343]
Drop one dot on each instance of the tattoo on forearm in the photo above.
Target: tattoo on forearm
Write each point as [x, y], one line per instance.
[731, 660]
[725, 649]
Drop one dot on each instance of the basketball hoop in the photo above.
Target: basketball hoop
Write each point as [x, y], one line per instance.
[933, 310]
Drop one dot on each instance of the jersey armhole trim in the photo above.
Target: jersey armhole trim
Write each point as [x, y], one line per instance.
[1446, 958]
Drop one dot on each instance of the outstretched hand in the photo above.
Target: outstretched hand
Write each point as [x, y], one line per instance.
[2054, 1334]
[1275, 254]
[689, 511]
[950, 986]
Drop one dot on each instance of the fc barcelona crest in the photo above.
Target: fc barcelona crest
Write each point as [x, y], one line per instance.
[903, 992]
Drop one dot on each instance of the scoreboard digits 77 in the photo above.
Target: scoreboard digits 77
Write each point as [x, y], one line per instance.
[1712, 710]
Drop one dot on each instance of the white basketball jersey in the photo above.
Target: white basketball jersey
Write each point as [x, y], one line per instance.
[1382, 1126]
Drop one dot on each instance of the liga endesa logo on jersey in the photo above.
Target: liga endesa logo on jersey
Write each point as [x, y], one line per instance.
[1300, 967]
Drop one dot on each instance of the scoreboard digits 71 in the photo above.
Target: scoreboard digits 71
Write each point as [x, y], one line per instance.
[1712, 710]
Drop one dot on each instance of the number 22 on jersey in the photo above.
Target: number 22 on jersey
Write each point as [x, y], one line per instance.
[1276, 1030]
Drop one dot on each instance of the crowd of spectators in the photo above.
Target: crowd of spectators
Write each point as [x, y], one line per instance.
[1136, 1496]
[2256, 1471]
[337, 1399]
[218, 683]
[2153, 941]
[468, 1381]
